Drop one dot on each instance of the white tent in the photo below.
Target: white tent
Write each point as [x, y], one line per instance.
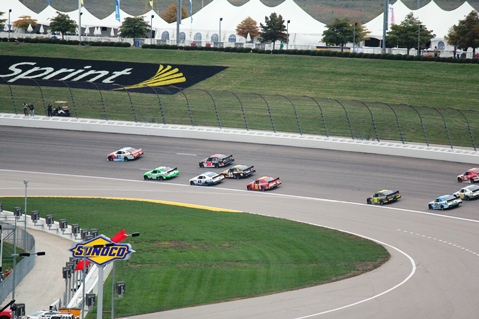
[111, 21]
[18, 10]
[47, 14]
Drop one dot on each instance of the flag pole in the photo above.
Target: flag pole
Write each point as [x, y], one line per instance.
[79, 21]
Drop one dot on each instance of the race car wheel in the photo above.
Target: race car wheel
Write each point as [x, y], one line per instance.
[217, 165]
[237, 176]
[201, 165]
[471, 181]
[429, 207]
[459, 180]
[162, 178]
[145, 178]
[248, 188]
[192, 183]
[125, 159]
[368, 201]
[110, 158]
[381, 203]
[262, 189]
[442, 207]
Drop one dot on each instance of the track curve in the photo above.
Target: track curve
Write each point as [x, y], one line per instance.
[434, 278]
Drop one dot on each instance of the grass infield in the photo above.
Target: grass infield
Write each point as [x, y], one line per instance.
[186, 257]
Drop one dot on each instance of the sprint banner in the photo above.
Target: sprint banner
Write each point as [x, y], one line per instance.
[104, 75]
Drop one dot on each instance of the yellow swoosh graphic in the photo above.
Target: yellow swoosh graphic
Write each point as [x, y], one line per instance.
[164, 76]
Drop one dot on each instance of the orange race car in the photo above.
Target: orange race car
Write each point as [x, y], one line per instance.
[264, 183]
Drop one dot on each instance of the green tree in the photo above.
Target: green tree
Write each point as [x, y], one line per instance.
[342, 31]
[24, 21]
[2, 21]
[273, 30]
[409, 34]
[248, 26]
[465, 34]
[62, 23]
[134, 28]
[169, 15]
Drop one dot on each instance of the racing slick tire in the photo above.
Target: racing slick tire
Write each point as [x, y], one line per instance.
[192, 183]
[248, 188]
[429, 206]
[459, 180]
[201, 165]
[161, 178]
[145, 178]
[368, 201]
[110, 159]
[217, 165]
[125, 159]
[381, 203]
[471, 181]
[442, 207]
[262, 188]
[237, 176]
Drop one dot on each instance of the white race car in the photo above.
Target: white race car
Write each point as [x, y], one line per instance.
[207, 179]
[125, 154]
[468, 192]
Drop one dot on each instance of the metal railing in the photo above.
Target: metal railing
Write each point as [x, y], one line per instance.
[359, 120]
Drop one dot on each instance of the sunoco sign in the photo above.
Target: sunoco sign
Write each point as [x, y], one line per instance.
[101, 250]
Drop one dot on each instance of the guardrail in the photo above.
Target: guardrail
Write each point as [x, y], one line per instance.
[358, 120]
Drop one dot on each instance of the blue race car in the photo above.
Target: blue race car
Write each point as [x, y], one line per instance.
[445, 202]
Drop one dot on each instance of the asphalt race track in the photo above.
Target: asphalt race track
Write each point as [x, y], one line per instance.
[435, 254]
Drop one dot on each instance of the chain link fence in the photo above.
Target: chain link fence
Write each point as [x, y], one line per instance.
[359, 120]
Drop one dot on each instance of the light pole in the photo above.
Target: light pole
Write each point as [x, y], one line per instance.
[9, 23]
[419, 39]
[113, 282]
[219, 36]
[287, 34]
[151, 29]
[26, 187]
[354, 36]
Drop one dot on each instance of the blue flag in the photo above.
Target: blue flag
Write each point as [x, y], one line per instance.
[48, 1]
[117, 10]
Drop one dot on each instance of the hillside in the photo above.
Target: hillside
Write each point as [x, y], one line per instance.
[323, 10]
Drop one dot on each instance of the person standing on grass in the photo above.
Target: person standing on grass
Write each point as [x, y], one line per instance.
[32, 110]
[25, 109]
[49, 110]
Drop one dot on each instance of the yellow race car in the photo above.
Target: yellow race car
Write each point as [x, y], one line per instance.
[383, 197]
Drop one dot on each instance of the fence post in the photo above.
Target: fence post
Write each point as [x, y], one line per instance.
[469, 129]
[397, 121]
[73, 99]
[12, 96]
[422, 123]
[187, 104]
[347, 117]
[269, 111]
[445, 126]
[214, 105]
[322, 115]
[372, 119]
[242, 110]
[295, 113]
[102, 101]
[131, 101]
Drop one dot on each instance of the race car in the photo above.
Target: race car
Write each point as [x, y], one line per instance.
[207, 179]
[383, 197]
[125, 154]
[264, 183]
[217, 160]
[468, 192]
[161, 173]
[471, 175]
[445, 202]
[239, 171]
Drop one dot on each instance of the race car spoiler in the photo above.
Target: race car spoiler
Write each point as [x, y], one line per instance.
[172, 170]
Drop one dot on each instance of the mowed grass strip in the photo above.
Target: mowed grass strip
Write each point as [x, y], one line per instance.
[186, 257]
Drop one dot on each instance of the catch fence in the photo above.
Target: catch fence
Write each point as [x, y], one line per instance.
[359, 120]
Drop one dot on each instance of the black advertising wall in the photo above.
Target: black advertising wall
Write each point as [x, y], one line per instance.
[104, 75]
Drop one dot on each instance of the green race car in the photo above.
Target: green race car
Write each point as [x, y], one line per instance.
[161, 173]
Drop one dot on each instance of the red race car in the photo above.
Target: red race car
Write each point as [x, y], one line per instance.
[217, 160]
[471, 175]
[264, 183]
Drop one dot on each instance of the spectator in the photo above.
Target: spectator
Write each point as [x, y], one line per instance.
[32, 110]
[49, 110]
[25, 109]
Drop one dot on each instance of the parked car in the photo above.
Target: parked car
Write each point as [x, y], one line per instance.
[383, 197]
[207, 179]
[217, 160]
[468, 192]
[125, 154]
[264, 183]
[44, 314]
[471, 176]
[239, 171]
[161, 173]
[445, 202]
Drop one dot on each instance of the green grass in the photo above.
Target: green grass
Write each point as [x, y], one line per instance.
[269, 85]
[186, 257]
